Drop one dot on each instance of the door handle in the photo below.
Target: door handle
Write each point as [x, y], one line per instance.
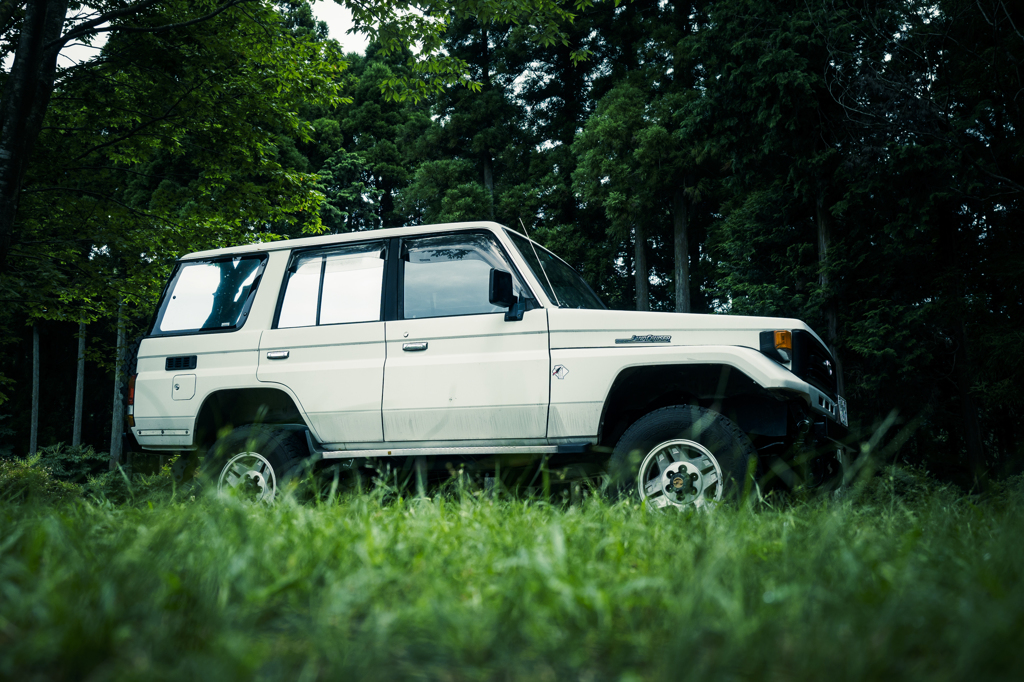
[422, 345]
[278, 355]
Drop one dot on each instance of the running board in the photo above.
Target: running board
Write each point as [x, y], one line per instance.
[452, 451]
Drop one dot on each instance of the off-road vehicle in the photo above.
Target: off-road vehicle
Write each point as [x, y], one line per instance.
[469, 344]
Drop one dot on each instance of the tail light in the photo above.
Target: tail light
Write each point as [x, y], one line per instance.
[131, 400]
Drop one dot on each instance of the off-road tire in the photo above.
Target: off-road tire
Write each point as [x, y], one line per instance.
[282, 450]
[728, 444]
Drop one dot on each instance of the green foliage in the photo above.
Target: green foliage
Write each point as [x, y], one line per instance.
[395, 25]
[172, 141]
[74, 465]
[444, 191]
[474, 588]
[61, 473]
[889, 130]
[31, 481]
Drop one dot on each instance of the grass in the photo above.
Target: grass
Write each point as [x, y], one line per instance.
[901, 581]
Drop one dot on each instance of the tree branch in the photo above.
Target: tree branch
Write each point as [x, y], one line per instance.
[7, 9]
[168, 112]
[1010, 18]
[100, 195]
[91, 27]
[115, 168]
[88, 27]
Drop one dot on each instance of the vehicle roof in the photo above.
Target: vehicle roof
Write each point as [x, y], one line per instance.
[325, 240]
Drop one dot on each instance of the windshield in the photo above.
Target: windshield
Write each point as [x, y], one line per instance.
[570, 291]
[208, 295]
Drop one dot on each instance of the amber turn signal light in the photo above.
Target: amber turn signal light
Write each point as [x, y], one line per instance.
[784, 340]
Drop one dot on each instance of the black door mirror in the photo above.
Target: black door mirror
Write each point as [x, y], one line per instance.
[499, 289]
[501, 293]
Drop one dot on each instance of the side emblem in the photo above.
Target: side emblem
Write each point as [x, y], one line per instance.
[646, 338]
[559, 372]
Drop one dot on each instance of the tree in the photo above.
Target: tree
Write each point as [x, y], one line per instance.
[39, 29]
[39, 32]
[874, 174]
[610, 174]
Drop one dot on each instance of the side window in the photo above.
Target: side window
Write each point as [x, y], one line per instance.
[300, 298]
[209, 295]
[334, 287]
[449, 275]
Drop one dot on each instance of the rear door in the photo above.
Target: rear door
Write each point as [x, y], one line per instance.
[456, 369]
[199, 343]
[327, 341]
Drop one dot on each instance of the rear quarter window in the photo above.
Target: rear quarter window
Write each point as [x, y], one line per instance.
[209, 296]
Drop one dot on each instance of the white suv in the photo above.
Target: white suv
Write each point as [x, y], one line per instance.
[469, 342]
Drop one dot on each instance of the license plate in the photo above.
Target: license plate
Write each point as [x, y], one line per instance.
[842, 411]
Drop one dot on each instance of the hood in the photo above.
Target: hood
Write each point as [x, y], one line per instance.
[572, 328]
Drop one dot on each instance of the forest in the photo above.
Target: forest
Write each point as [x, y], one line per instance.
[854, 163]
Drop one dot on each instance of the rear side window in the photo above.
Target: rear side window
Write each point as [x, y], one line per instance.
[209, 295]
[334, 287]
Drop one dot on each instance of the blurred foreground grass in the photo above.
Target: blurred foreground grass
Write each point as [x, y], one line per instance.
[891, 583]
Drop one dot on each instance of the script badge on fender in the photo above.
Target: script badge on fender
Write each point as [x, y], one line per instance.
[646, 338]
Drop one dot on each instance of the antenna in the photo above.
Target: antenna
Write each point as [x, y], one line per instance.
[541, 263]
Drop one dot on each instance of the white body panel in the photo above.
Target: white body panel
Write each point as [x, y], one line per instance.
[578, 399]
[605, 328]
[480, 378]
[584, 343]
[223, 361]
[335, 371]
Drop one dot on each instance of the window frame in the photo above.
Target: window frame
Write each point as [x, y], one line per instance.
[397, 308]
[296, 254]
[512, 234]
[179, 266]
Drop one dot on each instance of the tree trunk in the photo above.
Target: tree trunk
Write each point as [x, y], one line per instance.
[76, 433]
[956, 269]
[824, 220]
[489, 179]
[117, 420]
[33, 439]
[643, 301]
[25, 98]
[488, 160]
[680, 218]
[964, 377]
[387, 208]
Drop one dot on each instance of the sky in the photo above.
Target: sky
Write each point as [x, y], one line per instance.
[339, 20]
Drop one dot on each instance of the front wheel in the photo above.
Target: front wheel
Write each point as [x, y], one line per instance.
[253, 462]
[682, 456]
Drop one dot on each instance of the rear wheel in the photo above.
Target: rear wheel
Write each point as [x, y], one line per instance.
[682, 456]
[254, 462]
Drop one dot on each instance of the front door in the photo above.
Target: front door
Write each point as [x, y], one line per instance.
[456, 369]
[327, 344]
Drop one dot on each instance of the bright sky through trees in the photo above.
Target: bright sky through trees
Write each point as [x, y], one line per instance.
[337, 17]
[339, 20]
